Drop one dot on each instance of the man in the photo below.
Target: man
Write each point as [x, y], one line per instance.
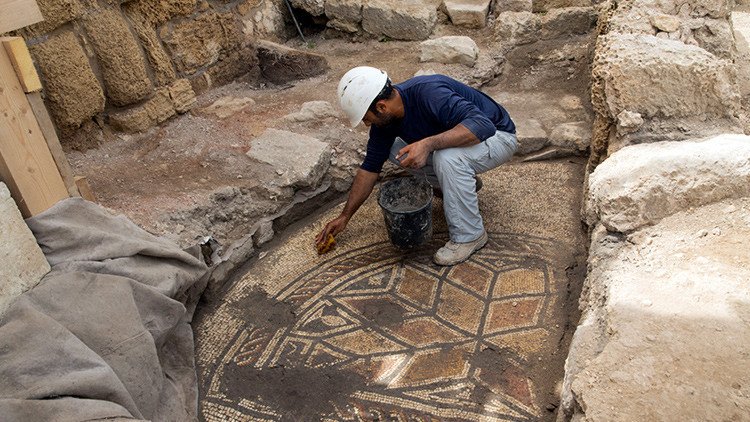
[433, 126]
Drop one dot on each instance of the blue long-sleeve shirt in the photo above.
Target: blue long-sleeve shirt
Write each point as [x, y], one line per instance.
[432, 105]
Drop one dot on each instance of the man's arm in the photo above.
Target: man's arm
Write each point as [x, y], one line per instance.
[362, 186]
[459, 136]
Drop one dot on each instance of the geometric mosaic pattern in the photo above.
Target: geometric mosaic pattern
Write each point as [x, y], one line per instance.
[412, 329]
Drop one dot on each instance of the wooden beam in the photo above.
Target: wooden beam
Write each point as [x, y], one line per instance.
[53, 142]
[26, 164]
[21, 60]
[15, 14]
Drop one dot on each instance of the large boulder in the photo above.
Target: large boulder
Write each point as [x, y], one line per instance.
[23, 261]
[198, 42]
[281, 64]
[449, 49]
[72, 92]
[468, 13]
[517, 27]
[344, 15]
[301, 161]
[641, 184]
[119, 57]
[675, 88]
[666, 324]
[564, 22]
[413, 20]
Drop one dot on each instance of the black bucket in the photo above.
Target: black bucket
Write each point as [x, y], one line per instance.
[407, 208]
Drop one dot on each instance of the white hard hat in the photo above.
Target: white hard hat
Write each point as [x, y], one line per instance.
[358, 88]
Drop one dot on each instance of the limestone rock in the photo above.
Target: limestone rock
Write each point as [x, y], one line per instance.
[575, 136]
[716, 36]
[468, 13]
[344, 15]
[119, 57]
[657, 303]
[227, 106]
[641, 184]
[313, 110]
[72, 92]
[161, 64]
[23, 261]
[449, 49]
[542, 6]
[182, 95]
[158, 12]
[301, 160]
[531, 136]
[666, 23]
[313, 7]
[517, 27]
[144, 116]
[280, 64]
[564, 22]
[413, 20]
[198, 42]
[628, 122]
[693, 86]
[263, 233]
[501, 6]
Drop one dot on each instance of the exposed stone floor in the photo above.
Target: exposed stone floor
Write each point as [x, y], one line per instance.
[368, 332]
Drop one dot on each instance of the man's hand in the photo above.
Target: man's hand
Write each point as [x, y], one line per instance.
[334, 227]
[417, 154]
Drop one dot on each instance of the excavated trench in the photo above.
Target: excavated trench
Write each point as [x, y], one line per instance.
[369, 332]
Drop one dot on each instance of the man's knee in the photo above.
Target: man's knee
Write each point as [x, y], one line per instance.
[448, 161]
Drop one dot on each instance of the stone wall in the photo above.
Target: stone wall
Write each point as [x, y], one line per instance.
[663, 70]
[132, 64]
[23, 263]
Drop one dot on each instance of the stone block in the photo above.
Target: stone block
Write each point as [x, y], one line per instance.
[72, 92]
[657, 304]
[158, 12]
[119, 57]
[161, 64]
[449, 49]
[408, 21]
[575, 136]
[182, 95]
[468, 13]
[55, 13]
[301, 161]
[344, 11]
[144, 116]
[517, 27]
[313, 7]
[23, 261]
[564, 22]
[263, 20]
[313, 111]
[542, 6]
[531, 136]
[501, 6]
[199, 42]
[227, 106]
[280, 64]
[675, 88]
[716, 36]
[641, 184]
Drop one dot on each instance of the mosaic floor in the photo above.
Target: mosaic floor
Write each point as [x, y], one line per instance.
[369, 332]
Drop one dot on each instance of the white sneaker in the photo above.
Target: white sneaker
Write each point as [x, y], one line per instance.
[453, 253]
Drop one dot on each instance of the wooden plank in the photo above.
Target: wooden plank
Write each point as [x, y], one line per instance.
[15, 14]
[53, 142]
[21, 60]
[83, 186]
[26, 164]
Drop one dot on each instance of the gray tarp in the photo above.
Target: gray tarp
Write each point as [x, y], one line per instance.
[106, 333]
